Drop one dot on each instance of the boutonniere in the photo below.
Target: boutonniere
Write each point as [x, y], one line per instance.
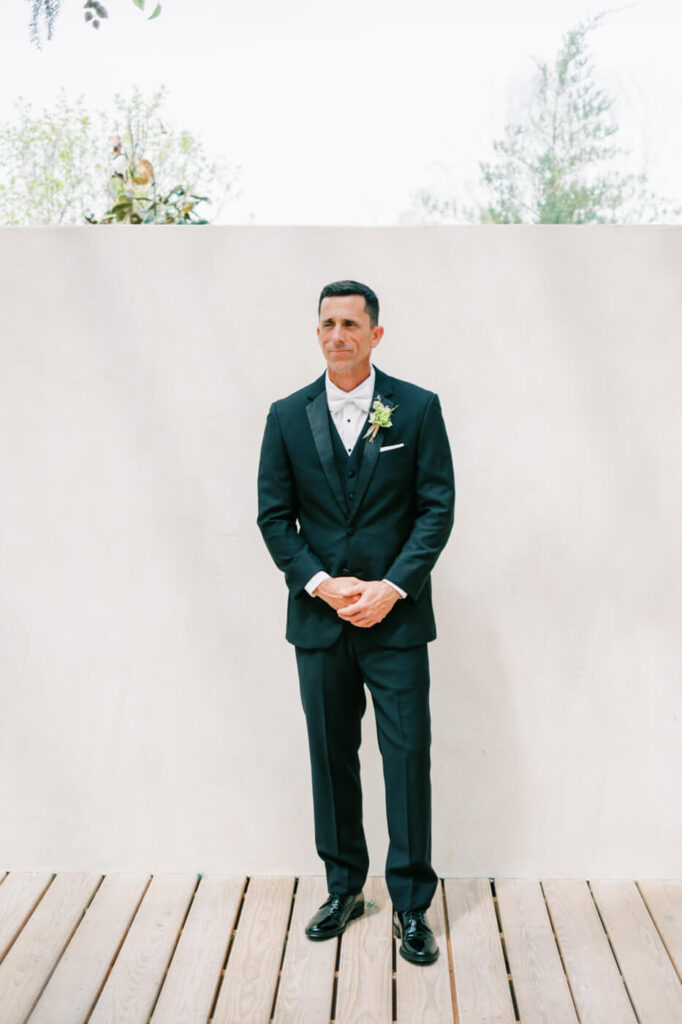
[379, 417]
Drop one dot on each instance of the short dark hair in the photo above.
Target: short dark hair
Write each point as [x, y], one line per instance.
[343, 288]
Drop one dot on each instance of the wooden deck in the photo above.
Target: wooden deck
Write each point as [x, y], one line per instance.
[184, 948]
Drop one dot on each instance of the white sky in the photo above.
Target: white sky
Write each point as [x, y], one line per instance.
[338, 112]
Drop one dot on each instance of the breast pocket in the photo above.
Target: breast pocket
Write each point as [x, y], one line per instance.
[394, 462]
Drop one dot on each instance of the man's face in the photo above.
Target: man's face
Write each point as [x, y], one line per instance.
[345, 333]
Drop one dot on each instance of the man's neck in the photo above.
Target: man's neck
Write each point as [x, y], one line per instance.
[348, 381]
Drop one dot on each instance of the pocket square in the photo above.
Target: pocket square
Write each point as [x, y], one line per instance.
[390, 447]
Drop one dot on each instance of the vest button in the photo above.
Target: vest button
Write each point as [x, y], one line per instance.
[345, 571]
[351, 472]
[349, 530]
[351, 495]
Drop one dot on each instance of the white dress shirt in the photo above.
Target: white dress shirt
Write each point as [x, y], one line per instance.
[349, 411]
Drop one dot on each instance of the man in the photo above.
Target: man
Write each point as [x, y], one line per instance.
[356, 501]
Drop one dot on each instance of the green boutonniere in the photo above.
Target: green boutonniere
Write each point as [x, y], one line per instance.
[379, 417]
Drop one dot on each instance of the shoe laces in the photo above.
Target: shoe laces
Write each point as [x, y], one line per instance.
[334, 900]
[414, 917]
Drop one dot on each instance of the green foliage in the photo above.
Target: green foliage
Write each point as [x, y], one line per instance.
[133, 207]
[95, 11]
[48, 11]
[556, 166]
[49, 164]
[58, 167]
[177, 157]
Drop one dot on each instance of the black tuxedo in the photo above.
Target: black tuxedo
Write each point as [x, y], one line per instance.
[372, 515]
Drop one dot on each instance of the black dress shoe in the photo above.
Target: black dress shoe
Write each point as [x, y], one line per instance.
[334, 914]
[418, 945]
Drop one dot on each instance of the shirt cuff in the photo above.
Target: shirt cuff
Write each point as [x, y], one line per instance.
[315, 581]
[395, 586]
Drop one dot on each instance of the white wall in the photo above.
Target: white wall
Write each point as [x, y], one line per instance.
[149, 711]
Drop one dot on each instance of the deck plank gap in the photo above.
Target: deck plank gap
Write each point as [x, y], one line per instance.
[117, 950]
[503, 944]
[559, 950]
[175, 945]
[64, 947]
[448, 944]
[284, 947]
[221, 972]
[613, 952]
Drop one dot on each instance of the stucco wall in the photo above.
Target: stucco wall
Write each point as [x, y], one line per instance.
[149, 710]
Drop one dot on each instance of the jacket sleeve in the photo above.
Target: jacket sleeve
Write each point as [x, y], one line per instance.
[278, 510]
[435, 508]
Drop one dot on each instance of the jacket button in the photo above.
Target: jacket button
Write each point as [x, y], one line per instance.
[345, 571]
[349, 530]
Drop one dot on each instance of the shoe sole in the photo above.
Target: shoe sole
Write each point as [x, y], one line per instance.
[358, 911]
[407, 956]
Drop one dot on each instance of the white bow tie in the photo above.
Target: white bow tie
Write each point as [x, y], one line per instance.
[361, 397]
[361, 401]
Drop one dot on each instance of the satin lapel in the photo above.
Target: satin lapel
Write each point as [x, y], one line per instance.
[319, 424]
[382, 386]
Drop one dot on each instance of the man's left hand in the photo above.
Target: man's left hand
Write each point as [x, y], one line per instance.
[375, 602]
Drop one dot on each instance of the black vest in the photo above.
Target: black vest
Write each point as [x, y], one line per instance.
[347, 465]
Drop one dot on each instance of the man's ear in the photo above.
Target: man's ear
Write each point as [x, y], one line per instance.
[377, 335]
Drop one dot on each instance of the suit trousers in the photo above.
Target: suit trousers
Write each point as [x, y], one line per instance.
[333, 696]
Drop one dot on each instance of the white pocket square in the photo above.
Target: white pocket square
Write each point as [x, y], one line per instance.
[390, 447]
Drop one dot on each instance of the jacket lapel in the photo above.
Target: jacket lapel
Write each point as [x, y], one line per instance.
[383, 385]
[318, 417]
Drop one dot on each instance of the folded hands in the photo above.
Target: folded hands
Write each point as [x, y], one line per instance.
[360, 602]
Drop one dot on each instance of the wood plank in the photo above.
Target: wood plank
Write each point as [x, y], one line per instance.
[540, 986]
[481, 985]
[596, 984]
[424, 994]
[307, 983]
[365, 985]
[136, 976]
[248, 986]
[19, 894]
[71, 991]
[189, 989]
[664, 900]
[655, 989]
[30, 961]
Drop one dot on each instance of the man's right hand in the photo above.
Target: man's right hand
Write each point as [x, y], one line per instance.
[339, 591]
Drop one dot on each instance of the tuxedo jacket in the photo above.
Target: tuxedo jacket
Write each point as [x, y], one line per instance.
[395, 526]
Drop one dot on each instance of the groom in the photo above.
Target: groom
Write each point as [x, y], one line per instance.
[356, 502]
